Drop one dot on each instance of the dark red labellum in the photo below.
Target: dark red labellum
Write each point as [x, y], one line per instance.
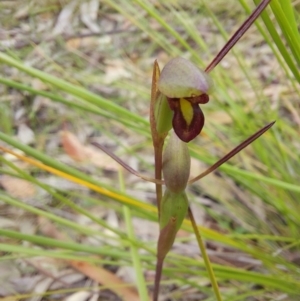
[184, 130]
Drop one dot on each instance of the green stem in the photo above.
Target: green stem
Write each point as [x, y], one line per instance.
[205, 257]
[158, 272]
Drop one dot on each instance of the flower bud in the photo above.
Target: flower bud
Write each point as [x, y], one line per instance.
[176, 164]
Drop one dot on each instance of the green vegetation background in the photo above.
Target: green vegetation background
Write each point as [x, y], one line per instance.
[62, 67]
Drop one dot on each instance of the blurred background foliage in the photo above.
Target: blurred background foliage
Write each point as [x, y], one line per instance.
[77, 71]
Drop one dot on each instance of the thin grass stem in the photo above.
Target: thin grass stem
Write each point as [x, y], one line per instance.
[205, 256]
